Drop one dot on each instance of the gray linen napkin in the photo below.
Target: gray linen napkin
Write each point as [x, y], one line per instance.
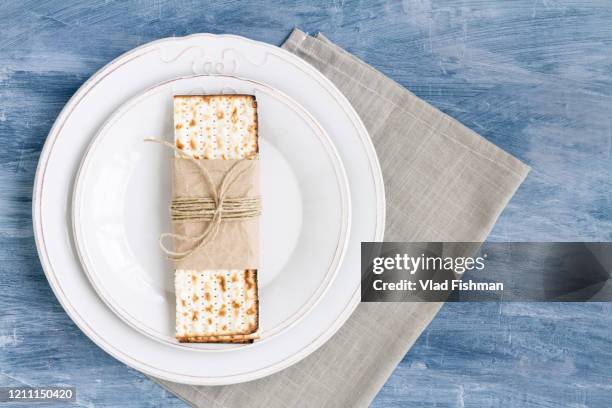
[443, 182]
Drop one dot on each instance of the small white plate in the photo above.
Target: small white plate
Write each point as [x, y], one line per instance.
[123, 189]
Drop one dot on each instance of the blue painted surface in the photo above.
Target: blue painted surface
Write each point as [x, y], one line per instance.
[534, 77]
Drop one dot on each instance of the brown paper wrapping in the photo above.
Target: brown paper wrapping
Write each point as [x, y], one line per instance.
[236, 246]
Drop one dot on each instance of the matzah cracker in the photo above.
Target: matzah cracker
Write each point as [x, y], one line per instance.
[216, 306]
[216, 126]
[235, 338]
[215, 303]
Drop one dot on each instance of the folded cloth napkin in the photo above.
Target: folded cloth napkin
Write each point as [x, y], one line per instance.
[443, 182]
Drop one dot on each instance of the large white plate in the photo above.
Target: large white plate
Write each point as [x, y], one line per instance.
[123, 189]
[136, 71]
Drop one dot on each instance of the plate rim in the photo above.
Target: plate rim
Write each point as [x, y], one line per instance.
[374, 167]
[321, 290]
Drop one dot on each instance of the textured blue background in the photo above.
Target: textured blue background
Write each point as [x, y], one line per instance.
[534, 77]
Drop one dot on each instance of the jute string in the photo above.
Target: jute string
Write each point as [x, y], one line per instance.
[216, 209]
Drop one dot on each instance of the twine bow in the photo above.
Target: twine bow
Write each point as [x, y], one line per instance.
[215, 209]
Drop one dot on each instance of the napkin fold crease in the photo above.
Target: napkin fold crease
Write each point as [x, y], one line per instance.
[443, 182]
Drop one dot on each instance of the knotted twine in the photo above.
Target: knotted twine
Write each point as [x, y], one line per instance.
[216, 209]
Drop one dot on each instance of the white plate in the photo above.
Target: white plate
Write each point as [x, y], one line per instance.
[129, 75]
[123, 189]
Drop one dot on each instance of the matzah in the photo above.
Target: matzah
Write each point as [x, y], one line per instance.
[216, 306]
[216, 126]
[215, 303]
[234, 338]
